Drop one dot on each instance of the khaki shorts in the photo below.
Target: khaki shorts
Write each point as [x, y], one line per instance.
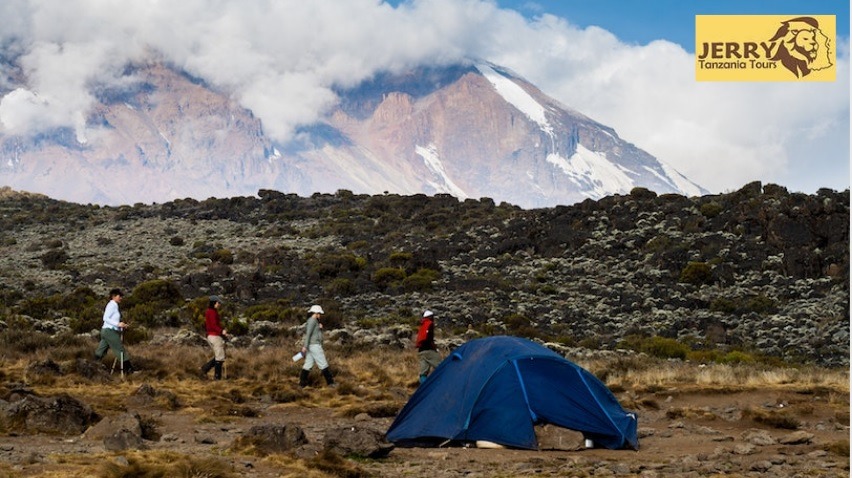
[218, 344]
[429, 360]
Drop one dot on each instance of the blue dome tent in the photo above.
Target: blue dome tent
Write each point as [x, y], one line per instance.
[497, 389]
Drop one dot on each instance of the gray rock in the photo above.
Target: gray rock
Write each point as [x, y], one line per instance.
[797, 438]
[124, 440]
[274, 438]
[61, 414]
[758, 437]
[551, 437]
[357, 441]
[110, 426]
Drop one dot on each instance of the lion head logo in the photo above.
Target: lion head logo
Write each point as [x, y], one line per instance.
[804, 48]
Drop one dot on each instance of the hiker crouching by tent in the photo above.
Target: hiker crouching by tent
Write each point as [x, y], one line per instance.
[426, 349]
[216, 335]
[112, 333]
[312, 348]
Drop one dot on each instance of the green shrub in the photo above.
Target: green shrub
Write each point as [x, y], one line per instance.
[736, 357]
[237, 326]
[591, 343]
[711, 209]
[341, 286]
[704, 356]
[152, 303]
[656, 346]
[658, 244]
[355, 245]
[760, 304]
[157, 290]
[388, 276]
[399, 258]
[278, 311]
[696, 273]
[420, 281]
[222, 256]
[335, 264]
[54, 259]
[521, 326]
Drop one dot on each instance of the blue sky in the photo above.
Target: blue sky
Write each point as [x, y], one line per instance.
[642, 21]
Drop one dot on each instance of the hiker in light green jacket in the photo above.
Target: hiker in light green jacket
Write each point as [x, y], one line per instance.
[312, 348]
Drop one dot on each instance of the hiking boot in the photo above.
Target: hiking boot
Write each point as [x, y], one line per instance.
[329, 380]
[205, 369]
[303, 378]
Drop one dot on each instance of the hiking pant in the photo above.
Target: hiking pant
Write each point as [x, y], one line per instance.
[111, 339]
[315, 355]
[218, 344]
[429, 360]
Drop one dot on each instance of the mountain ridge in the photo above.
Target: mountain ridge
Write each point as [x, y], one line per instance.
[470, 130]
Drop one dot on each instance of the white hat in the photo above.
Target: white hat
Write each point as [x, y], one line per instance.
[428, 313]
[315, 309]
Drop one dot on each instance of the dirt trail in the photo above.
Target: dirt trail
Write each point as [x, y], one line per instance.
[681, 434]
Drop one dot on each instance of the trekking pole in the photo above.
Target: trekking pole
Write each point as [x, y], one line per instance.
[122, 353]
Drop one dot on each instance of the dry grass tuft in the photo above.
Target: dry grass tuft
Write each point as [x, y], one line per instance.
[839, 448]
[641, 374]
[167, 464]
[335, 465]
[691, 413]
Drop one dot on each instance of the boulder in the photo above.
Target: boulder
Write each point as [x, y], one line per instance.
[61, 414]
[552, 437]
[90, 369]
[273, 438]
[124, 440]
[110, 426]
[356, 441]
[758, 437]
[797, 438]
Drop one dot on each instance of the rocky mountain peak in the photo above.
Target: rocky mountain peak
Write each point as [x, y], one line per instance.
[469, 130]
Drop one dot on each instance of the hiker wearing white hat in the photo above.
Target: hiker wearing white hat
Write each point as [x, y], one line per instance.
[312, 348]
[427, 351]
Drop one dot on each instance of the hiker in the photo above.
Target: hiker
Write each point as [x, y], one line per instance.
[427, 351]
[215, 337]
[112, 332]
[312, 348]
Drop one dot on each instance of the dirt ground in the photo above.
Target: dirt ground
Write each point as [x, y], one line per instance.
[681, 434]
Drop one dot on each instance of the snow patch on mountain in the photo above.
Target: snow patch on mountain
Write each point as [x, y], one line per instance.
[595, 174]
[517, 97]
[433, 163]
[686, 186]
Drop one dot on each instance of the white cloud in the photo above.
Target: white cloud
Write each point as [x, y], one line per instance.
[721, 135]
[281, 58]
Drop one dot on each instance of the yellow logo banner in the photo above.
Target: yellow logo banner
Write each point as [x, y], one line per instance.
[765, 48]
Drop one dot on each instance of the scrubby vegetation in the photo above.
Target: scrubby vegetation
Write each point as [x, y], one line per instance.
[755, 275]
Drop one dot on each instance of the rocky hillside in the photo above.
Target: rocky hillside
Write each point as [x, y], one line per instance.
[759, 270]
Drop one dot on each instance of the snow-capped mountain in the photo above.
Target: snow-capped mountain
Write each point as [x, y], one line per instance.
[471, 131]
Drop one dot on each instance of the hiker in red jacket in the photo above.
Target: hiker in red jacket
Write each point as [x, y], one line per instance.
[216, 335]
[426, 349]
